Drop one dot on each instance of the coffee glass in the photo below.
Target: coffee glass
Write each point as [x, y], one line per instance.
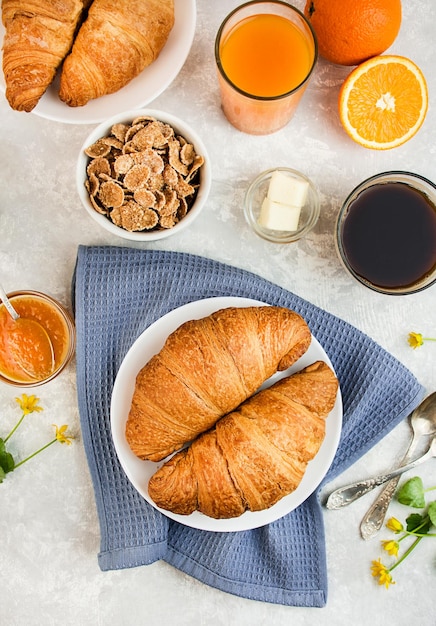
[386, 233]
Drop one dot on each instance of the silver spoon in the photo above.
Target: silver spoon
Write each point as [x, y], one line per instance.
[346, 495]
[423, 422]
[30, 330]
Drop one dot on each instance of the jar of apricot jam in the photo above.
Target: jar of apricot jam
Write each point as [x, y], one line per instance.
[57, 323]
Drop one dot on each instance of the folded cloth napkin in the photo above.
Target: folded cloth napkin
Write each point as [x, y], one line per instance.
[117, 293]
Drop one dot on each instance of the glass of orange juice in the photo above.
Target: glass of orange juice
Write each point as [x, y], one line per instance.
[265, 53]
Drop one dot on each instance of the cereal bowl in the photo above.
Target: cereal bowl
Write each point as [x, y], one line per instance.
[308, 211]
[143, 175]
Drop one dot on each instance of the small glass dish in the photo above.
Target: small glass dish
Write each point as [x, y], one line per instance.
[56, 321]
[258, 190]
[386, 233]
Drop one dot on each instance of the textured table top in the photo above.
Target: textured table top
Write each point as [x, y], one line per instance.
[48, 521]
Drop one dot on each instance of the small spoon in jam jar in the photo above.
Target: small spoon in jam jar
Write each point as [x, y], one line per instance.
[29, 339]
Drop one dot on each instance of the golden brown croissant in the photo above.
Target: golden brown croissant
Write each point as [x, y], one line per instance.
[253, 456]
[38, 36]
[206, 368]
[116, 42]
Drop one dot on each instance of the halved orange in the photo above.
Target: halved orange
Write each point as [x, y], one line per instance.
[383, 102]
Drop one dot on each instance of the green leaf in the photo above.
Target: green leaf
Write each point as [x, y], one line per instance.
[2, 475]
[413, 521]
[7, 462]
[412, 493]
[418, 523]
[432, 512]
[2, 445]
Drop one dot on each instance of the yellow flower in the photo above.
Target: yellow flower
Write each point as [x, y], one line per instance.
[391, 547]
[395, 525]
[29, 404]
[381, 571]
[61, 436]
[416, 340]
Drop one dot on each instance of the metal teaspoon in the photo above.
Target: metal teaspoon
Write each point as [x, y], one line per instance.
[346, 495]
[423, 422]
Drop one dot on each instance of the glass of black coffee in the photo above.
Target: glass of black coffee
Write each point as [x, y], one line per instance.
[386, 233]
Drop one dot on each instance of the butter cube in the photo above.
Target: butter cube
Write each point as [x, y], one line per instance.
[287, 190]
[277, 216]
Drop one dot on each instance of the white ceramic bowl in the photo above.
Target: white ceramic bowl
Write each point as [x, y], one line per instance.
[181, 128]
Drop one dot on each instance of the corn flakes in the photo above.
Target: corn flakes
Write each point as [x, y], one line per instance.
[143, 176]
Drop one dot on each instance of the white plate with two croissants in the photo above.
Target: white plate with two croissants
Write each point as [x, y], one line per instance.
[139, 471]
[141, 89]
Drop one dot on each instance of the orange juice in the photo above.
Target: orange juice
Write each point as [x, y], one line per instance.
[266, 55]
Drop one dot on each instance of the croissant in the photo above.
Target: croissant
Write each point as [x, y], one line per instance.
[38, 36]
[116, 42]
[206, 368]
[255, 455]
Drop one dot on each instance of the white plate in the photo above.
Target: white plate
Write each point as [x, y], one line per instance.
[140, 91]
[139, 472]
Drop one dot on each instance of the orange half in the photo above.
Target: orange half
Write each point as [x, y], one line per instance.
[383, 102]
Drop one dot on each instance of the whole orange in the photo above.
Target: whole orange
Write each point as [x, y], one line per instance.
[350, 32]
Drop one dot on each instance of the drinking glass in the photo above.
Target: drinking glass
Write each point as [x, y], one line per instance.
[265, 53]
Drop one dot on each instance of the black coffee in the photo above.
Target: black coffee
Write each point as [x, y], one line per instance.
[389, 235]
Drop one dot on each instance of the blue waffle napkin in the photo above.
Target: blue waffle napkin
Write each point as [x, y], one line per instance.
[117, 293]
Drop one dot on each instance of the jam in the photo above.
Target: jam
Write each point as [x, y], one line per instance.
[22, 352]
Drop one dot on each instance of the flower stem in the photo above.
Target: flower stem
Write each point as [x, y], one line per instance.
[406, 554]
[415, 532]
[15, 427]
[35, 453]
